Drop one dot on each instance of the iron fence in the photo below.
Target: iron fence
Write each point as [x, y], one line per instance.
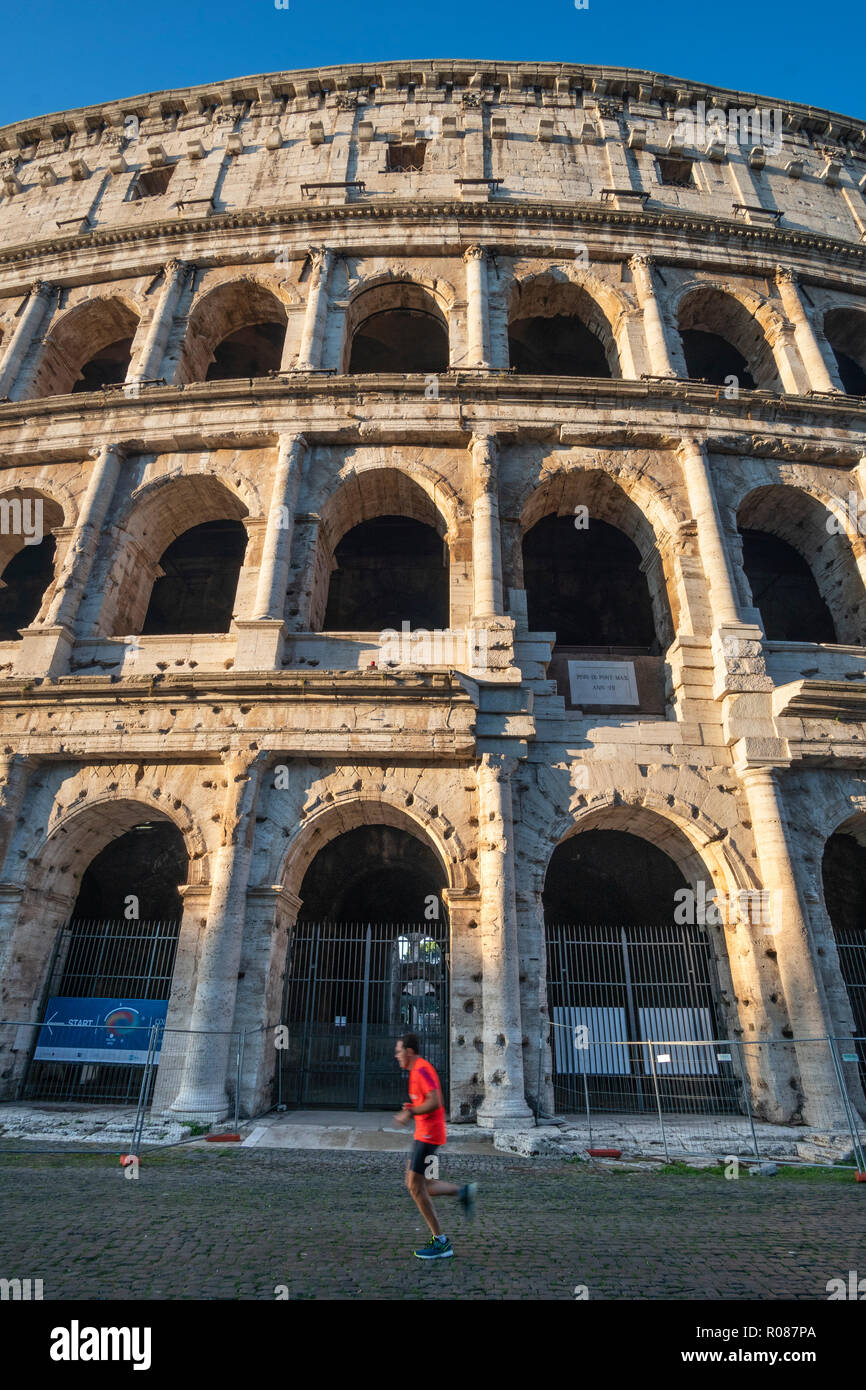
[682, 1092]
[851, 945]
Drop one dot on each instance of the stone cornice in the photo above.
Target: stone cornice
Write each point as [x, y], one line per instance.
[477, 219]
[388, 78]
[267, 687]
[807, 699]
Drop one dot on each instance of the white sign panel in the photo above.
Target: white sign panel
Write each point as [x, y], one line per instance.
[602, 683]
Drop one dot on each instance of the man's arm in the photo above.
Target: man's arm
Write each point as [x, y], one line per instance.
[432, 1101]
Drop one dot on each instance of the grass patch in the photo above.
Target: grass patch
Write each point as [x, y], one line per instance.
[785, 1170]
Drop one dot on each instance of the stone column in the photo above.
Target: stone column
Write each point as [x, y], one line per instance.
[202, 1094]
[804, 334]
[277, 552]
[15, 769]
[312, 338]
[789, 938]
[24, 334]
[486, 536]
[45, 650]
[161, 323]
[504, 1101]
[653, 324]
[260, 638]
[477, 318]
[711, 539]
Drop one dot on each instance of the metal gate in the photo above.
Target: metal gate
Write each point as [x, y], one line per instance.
[113, 964]
[624, 985]
[351, 989]
[851, 945]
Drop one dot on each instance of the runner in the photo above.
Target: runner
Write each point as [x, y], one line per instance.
[425, 1104]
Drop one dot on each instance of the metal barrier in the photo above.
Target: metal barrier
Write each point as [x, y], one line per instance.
[133, 1084]
[690, 1096]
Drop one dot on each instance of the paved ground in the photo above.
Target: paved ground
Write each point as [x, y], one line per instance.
[230, 1223]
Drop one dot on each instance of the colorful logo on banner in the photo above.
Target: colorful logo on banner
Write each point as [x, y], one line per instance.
[99, 1030]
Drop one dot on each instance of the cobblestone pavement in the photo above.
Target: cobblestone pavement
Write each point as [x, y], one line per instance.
[234, 1224]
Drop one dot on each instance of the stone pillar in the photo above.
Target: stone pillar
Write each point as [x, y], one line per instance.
[277, 552]
[15, 769]
[160, 327]
[789, 938]
[711, 539]
[486, 536]
[202, 1094]
[45, 650]
[804, 334]
[312, 338]
[24, 334]
[477, 317]
[260, 638]
[653, 324]
[504, 1101]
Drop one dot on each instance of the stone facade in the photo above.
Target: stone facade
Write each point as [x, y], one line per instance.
[178, 219]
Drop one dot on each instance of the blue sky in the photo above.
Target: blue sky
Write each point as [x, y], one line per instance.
[59, 55]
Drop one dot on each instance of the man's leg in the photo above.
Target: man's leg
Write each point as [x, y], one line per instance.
[435, 1188]
[417, 1184]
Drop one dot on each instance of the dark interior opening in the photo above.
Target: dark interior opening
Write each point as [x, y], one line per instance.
[24, 582]
[852, 375]
[677, 173]
[784, 590]
[610, 877]
[196, 592]
[843, 871]
[710, 357]
[149, 861]
[253, 351]
[400, 340]
[108, 368]
[587, 585]
[557, 346]
[375, 873]
[389, 570]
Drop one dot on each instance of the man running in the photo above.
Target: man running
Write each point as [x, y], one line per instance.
[425, 1104]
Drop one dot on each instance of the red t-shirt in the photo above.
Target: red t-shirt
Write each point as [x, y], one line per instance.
[429, 1128]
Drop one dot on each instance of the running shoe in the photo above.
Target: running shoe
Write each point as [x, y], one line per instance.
[437, 1248]
[467, 1197]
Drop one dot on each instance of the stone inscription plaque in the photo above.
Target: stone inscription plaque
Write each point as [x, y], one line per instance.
[602, 683]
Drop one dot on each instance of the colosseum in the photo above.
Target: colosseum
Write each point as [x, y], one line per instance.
[433, 510]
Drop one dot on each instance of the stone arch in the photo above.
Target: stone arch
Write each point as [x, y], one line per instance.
[845, 331]
[159, 514]
[88, 346]
[578, 294]
[393, 291]
[346, 809]
[374, 491]
[224, 310]
[812, 525]
[738, 316]
[27, 570]
[632, 507]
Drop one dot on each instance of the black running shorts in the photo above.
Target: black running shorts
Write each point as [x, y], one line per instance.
[419, 1155]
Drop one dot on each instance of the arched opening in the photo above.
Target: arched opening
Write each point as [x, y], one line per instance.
[784, 591]
[23, 585]
[108, 368]
[389, 570]
[110, 975]
[843, 870]
[252, 352]
[88, 348]
[235, 330]
[196, 589]
[556, 328]
[27, 556]
[845, 331]
[630, 962]
[586, 585]
[397, 327]
[368, 958]
[800, 568]
[720, 339]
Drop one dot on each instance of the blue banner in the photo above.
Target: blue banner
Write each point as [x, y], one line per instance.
[99, 1030]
